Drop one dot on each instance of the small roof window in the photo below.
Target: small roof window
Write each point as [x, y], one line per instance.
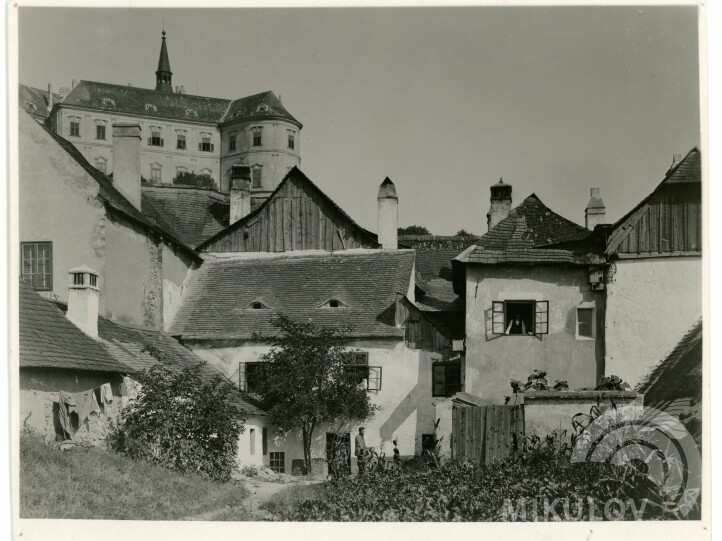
[191, 112]
[262, 108]
[151, 107]
[31, 105]
[258, 305]
[334, 303]
[108, 101]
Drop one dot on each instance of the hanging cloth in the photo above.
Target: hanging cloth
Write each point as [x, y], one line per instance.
[106, 394]
[64, 412]
[86, 404]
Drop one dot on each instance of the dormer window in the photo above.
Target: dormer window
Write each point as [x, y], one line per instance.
[258, 305]
[191, 112]
[151, 107]
[111, 103]
[262, 108]
[334, 303]
[31, 105]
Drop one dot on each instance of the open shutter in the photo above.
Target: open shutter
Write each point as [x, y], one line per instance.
[162, 142]
[497, 317]
[242, 381]
[148, 141]
[541, 317]
[374, 381]
[212, 147]
[200, 146]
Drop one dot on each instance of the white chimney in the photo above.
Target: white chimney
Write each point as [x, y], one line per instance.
[126, 161]
[240, 192]
[50, 96]
[83, 296]
[595, 213]
[500, 203]
[388, 215]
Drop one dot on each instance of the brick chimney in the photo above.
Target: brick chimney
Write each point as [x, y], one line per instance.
[83, 296]
[595, 213]
[240, 192]
[500, 203]
[126, 161]
[388, 215]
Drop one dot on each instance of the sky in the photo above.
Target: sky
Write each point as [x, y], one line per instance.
[445, 101]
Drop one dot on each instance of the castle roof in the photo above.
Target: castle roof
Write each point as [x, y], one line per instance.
[171, 105]
[221, 294]
[163, 61]
[35, 101]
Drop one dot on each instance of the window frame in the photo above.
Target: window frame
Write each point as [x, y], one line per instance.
[358, 362]
[540, 309]
[74, 128]
[445, 365]
[100, 128]
[205, 144]
[291, 141]
[257, 176]
[277, 461]
[593, 320]
[232, 143]
[47, 283]
[153, 170]
[155, 139]
[180, 138]
[257, 136]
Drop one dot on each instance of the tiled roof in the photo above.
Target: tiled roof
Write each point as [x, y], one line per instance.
[220, 294]
[50, 340]
[532, 233]
[193, 214]
[433, 268]
[258, 106]
[186, 107]
[35, 101]
[687, 171]
[132, 100]
[675, 384]
[113, 198]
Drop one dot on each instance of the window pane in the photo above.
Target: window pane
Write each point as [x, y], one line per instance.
[584, 317]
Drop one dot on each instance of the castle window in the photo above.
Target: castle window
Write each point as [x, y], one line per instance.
[37, 264]
[101, 165]
[155, 140]
[232, 143]
[75, 129]
[100, 132]
[262, 108]
[181, 142]
[257, 142]
[256, 176]
[155, 172]
[291, 140]
[205, 145]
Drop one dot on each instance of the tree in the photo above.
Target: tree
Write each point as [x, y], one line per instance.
[413, 230]
[182, 421]
[192, 179]
[306, 381]
[464, 233]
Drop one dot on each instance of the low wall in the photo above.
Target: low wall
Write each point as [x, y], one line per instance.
[549, 411]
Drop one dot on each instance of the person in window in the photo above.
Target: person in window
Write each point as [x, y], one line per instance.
[516, 326]
[361, 450]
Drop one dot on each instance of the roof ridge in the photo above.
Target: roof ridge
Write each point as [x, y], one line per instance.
[306, 255]
[151, 90]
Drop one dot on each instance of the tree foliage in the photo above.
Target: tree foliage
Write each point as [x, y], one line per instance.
[413, 230]
[306, 381]
[183, 422]
[464, 233]
[198, 181]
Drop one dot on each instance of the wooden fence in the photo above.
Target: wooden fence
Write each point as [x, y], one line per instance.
[484, 434]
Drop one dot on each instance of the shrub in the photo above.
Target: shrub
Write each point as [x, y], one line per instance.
[192, 179]
[183, 422]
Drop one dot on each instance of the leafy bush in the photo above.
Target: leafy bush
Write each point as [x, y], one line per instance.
[612, 383]
[182, 422]
[192, 179]
[413, 230]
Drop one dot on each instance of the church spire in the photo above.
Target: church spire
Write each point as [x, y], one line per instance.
[163, 74]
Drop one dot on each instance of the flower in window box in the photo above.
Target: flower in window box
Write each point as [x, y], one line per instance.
[561, 385]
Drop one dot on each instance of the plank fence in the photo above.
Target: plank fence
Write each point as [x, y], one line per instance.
[485, 434]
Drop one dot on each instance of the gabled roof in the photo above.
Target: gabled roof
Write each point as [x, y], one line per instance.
[132, 100]
[50, 340]
[35, 100]
[218, 302]
[532, 234]
[193, 214]
[110, 195]
[296, 175]
[259, 106]
[687, 172]
[675, 384]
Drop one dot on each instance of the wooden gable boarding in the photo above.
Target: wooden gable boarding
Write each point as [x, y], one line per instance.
[298, 216]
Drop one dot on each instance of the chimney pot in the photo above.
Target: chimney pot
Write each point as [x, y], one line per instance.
[388, 216]
[126, 161]
[240, 192]
[83, 296]
[595, 213]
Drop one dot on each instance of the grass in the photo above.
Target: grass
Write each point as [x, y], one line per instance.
[88, 483]
[289, 498]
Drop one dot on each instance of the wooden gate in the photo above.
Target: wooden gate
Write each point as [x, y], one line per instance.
[484, 434]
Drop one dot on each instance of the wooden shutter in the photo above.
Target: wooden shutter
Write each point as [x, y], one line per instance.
[497, 317]
[242, 382]
[162, 142]
[212, 147]
[374, 379]
[541, 317]
[200, 146]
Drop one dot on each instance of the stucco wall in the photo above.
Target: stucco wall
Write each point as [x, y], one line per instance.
[493, 360]
[546, 412]
[176, 270]
[39, 409]
[407, 407]
[651, 304]
[58, 203]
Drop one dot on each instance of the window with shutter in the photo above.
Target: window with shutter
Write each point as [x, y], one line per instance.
[252, 437]
[541, 317]
[497, 317]
[446, 379]
[264, 441]
[520, 318]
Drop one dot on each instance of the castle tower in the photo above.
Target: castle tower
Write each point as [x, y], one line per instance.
[500, 203]
[163, 74]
